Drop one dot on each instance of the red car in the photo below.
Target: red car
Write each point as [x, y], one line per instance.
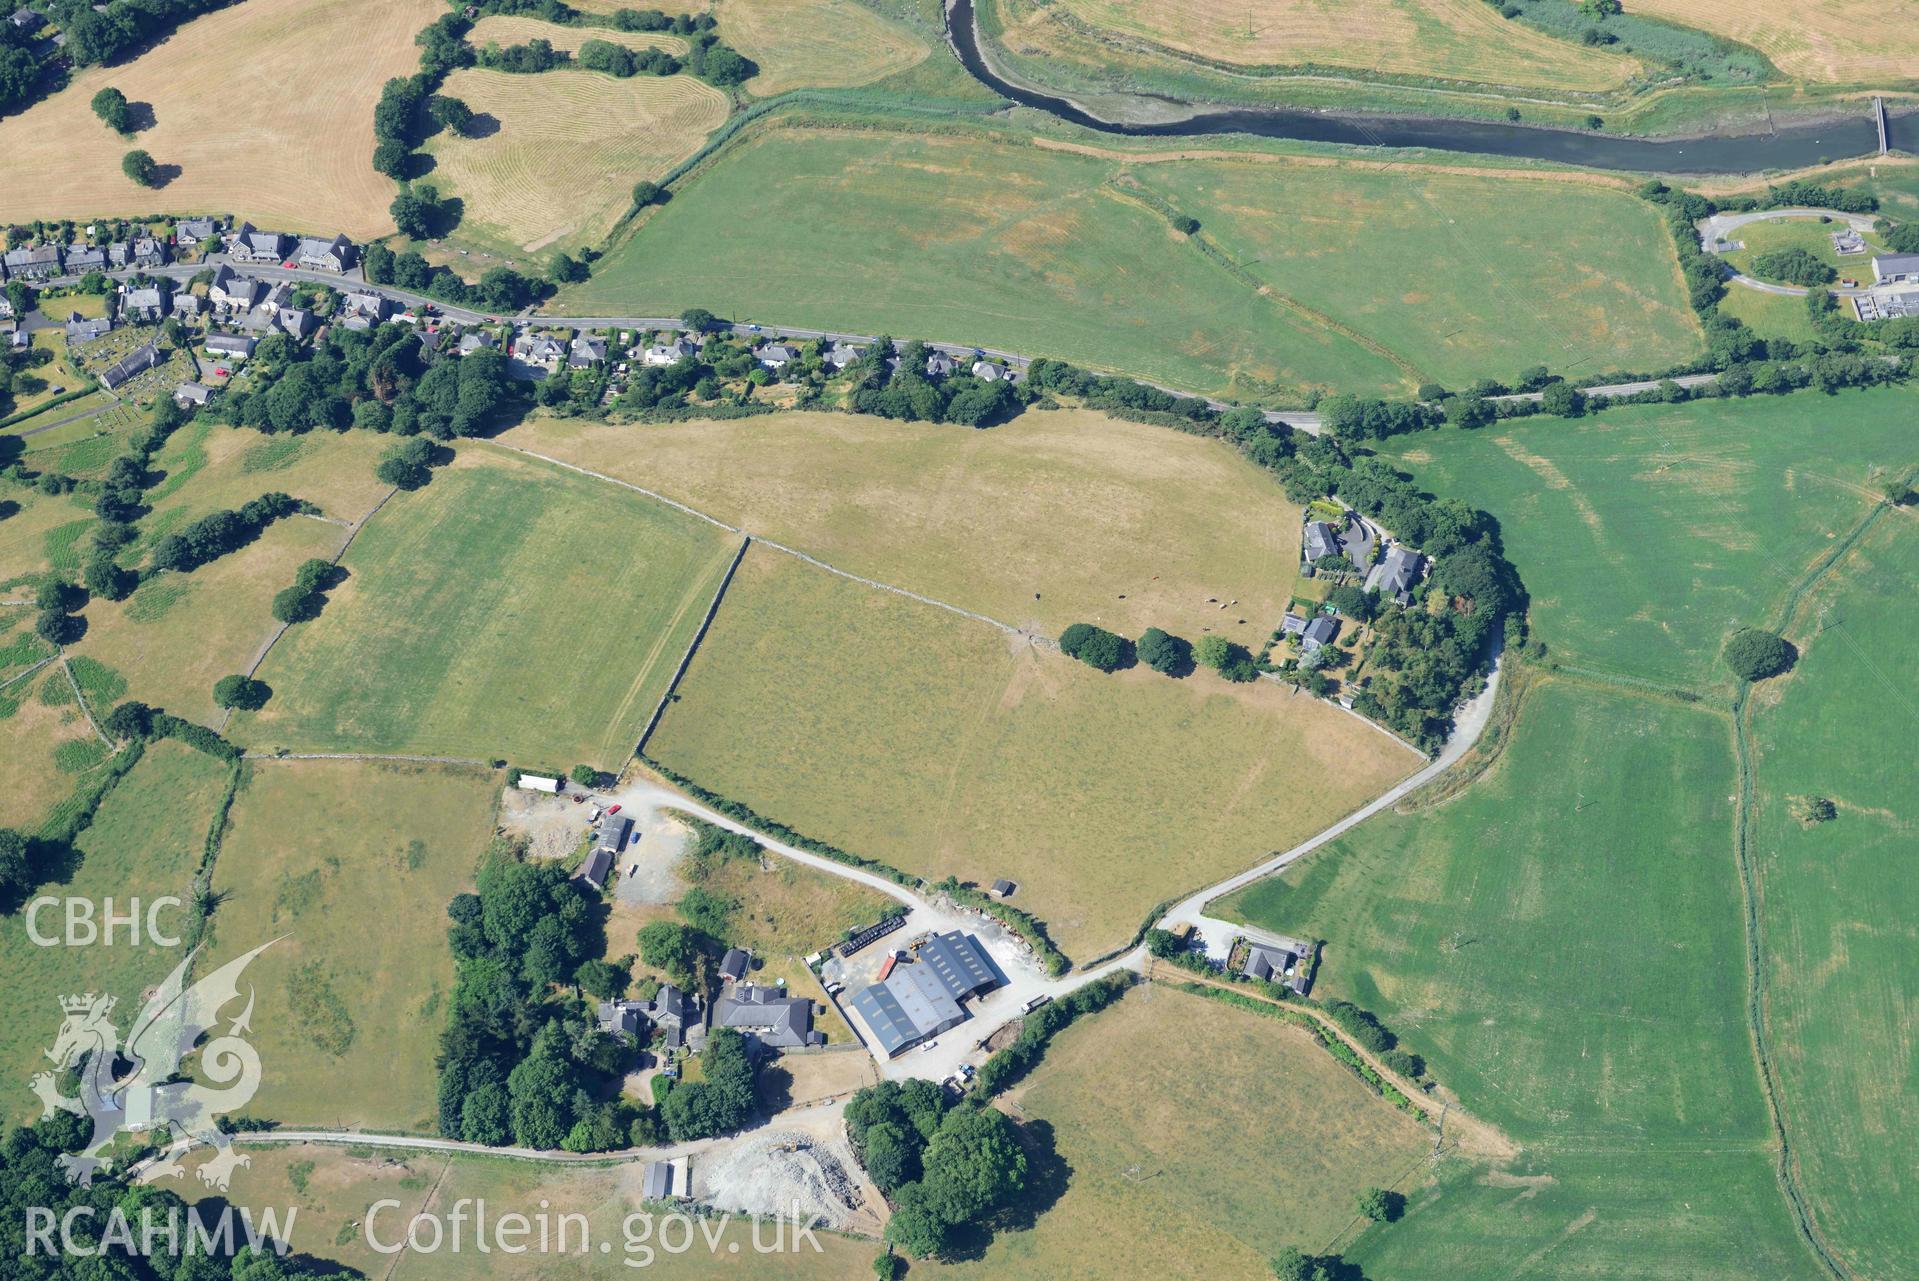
[613, 809]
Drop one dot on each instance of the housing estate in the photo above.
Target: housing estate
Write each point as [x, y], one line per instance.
[920, 998]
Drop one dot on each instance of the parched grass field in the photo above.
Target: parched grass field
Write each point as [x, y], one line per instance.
[1564, 943]
[511, 29]
[1463, 275]
[1202, 1139]
[509, 609]
[966, 239]
[258, 118]
[531, 185]
[1444, 39]
[349, 1014]
[36, 736]
[39, 534]
[826, 44]
[938, 744]
[1159, 521]
[1843, 41]
[1645, 534]
[1842, 976]
[145, 842]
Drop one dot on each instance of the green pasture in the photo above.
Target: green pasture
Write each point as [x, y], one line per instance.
[1563, 942]
[1645, 534]
[509, 609]
[1810, 234]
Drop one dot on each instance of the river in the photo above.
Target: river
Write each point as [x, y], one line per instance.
[1793, 147]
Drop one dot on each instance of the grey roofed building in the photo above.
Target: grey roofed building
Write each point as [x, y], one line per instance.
[148, 252]
[375, 307]
[20, 339]
[776, 355]
[36, 263]
[987, 371]
[6, 308]
[317, 254]
[85, 258]
[1291, 625]
[191, 231]
[146, 305]
[192, 394]
[1321, 540]
[597, 865]
[939, 364]
[26, 19]
[539, 349]
[842, 354]
[661, 1181]
[118, 254]
[252, 245]
[1003, 888]
[135, 362]
[675, 1013]
[960, 964]
[80, 329]
[1282, 961]
[230, 345]
[585, 350]
[1396, 572]
[614, 829]
[733, 964]
[1892, 269]
[475, 340]
[626, 1018]
[669, 352]
[1318, 632]
[767, 1015]
[232, 290]
[186, 305]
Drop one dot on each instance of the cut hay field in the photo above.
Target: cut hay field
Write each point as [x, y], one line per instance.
[1461, 275]
[1842, 973]
[1645, 534]
[1564, 943]
[45, 743]
[965, 239]
[825, 44]
[509, 609]
[349, 1017]
[1202, 1139]
[940, 745]
[1460, 40]
[1159, 522]
[527, 186]
[41, 534]
[145, 842]
[510, 29]
[258, 119]
[1840, 41]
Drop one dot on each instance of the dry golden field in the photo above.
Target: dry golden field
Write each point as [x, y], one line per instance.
[1451, 39]
[251, 106]
[828, 44]
[506, 29]
[1832, 40]
[540, 180]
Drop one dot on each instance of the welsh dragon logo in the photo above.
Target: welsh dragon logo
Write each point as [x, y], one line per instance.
[142, 1085]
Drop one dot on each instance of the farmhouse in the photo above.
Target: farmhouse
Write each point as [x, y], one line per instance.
[38, 263]
[85, 258]
[335, 255]
[191, 394]
[1896, 269]
[668, 353]
[80, 329]
[233, 348]
[676, 1014]
[191, 231]
[1396, 573]
[767, 1016]
[144, 306]
[1321, 540]
[625, 1018]
[1281, 960]
[251, 245]
[137, 362]
[922, 999]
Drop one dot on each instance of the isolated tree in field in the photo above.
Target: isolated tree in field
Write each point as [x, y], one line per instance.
[1165, 653]
[241, 693]
[1186, 224]
[1381, 1205]
[646, 193]
[1094, 646]
[296, 604]
[140, 167]
[114, 110]
[567, 270]
[1753, 655]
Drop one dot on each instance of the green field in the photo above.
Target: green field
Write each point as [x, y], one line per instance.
[1461, 275]
[349, 1016]
[145, 842]
[943, 746]
[965, 239]
[1563, 943]
[1810, 234]
[509, 609]
[1161, 521]
[1842, 974]
[1647, 533]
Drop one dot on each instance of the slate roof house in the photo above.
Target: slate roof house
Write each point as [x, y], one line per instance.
[81, 329]
[231, 291]
[26, 20]
[364, 310]
[987, 371]
[776, 356]
[1396, 573]
[84, 258]
[474, 340]
[939, 364]
[1291, 625]
[676, 1014]
[135, 362]
[335, 255]
[585, 351]
[118, 254]
[733, 964]
[1321, 540]
[539, 350]
[252, 245]
[191, 231]
[1318, 632]
[146, 305]
[668, 353]
[594, 871]
[841, 354]
[192, 394]
[186, 306]
[37, 263]
[147, 252]
[767, 1016]
[623, 1017]
[233, 347]
[1284, 961]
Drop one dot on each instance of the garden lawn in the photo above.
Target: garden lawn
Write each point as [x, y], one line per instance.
[1647, 533]
[1463, 275]
[963, 238]
[1842, 972]
[509, 609]
[1050, 519]
[942, 746]
[145, 842]
[350, 1016]
[1563, 943]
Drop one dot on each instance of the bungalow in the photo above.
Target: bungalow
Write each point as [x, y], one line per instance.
[137, 362]
[144, 306]
[668, 353]
[39, 263]
[233, 348]
[191, 231]
[767, 1016]
[939, 365]
[1895, 269]
[475, 340]
[81, 329]
[1396, 573]
[585, 351]
[251, 245]
[336, 255]
[85, 258]
[594, 871]
[776, 356]
[842, 354]
[987, 371]
[1317, 633]
[1321, 540]
[1282, 960]
[191, 394]
[541, 351]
